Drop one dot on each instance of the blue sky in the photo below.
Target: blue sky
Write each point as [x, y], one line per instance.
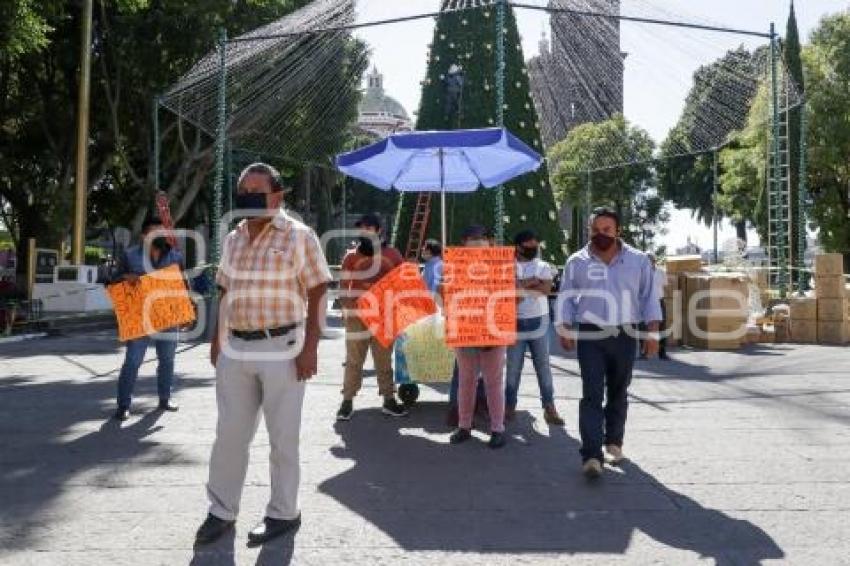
[659, 67]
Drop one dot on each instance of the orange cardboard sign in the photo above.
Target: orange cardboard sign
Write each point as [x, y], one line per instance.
[394, 302]
[479, 293]
[158, 301]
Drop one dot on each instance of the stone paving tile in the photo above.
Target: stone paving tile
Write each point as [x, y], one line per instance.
[737, 458]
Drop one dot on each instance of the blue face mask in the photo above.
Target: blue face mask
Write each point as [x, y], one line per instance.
[255, 202]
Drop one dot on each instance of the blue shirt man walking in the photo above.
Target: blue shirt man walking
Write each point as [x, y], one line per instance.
[606, 292]
[132, 265]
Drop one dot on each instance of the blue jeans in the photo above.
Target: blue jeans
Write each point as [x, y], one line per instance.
[133, 358]
[606, 372]
[533, 334]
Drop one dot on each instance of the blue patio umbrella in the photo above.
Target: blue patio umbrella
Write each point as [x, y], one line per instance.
[455, 161]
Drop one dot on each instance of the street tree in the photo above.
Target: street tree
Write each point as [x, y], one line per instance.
[629, 188]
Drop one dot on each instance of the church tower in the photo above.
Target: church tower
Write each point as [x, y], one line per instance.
[580, 77]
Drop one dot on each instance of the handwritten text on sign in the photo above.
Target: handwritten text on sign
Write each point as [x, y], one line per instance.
[479, 292]
[394, 302]
[158, 301]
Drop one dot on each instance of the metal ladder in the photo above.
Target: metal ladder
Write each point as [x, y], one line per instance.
[779, 193]
[418, 226]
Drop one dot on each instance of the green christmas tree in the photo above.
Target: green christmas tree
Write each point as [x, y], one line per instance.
[465, 40]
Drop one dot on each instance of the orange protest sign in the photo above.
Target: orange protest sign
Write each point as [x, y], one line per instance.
[394, 302]
[479, 294]
[158, 301]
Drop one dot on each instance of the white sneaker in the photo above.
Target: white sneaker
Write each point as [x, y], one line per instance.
[592, 469]
[616, 453]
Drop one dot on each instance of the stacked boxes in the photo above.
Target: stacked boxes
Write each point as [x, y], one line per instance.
[683, 264]
[676, 267]
[804, 320]
[672, 310]
[832, 300]
[715, 309]
[673, 320]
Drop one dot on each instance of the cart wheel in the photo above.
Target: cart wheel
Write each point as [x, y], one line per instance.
[408, 393]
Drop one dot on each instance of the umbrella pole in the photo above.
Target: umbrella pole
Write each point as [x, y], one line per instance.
[442, 199]
[443, 213]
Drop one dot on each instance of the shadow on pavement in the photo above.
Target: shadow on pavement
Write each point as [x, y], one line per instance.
[527, 497]
[94, 344]
[218, 553]
[278, 552]
[47, 442]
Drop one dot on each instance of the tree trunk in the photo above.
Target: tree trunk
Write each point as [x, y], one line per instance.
[741, 230]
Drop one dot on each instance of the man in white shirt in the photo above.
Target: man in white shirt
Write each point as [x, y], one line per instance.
[534, 281]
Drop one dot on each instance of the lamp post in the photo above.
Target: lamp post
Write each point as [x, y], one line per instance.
[81, 177]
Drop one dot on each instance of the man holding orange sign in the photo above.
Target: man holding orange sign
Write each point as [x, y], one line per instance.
[362, 267]
[135, 263]
[395, 302]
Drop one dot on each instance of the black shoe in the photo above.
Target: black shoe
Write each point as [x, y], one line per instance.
[167, 405]
[122, 414]
[345, 410]
[393, 408]
[497, 440]
[460, 435]
[272, 528]
[212, 529]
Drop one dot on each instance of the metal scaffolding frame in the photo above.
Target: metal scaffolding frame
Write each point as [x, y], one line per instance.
[779, 260]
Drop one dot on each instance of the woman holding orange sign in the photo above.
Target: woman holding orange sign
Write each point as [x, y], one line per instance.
[468, 290]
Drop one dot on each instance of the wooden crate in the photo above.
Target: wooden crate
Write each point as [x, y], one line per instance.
[832, 310]
[803, 308]
[683, 263]
[803, 331]
[829, 264]
[833, 333]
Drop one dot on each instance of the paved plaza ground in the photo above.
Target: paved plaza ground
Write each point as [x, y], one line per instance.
[736, 458]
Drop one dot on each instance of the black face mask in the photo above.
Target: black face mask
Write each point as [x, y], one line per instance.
[528, 253]
[366, 246]
[603, 242]
[254, 202]
[161, 244]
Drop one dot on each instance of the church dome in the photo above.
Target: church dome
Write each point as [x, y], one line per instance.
[377, 102]
[379, 112]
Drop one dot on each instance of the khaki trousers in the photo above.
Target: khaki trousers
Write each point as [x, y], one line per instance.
[250, 376]
[355, 357]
